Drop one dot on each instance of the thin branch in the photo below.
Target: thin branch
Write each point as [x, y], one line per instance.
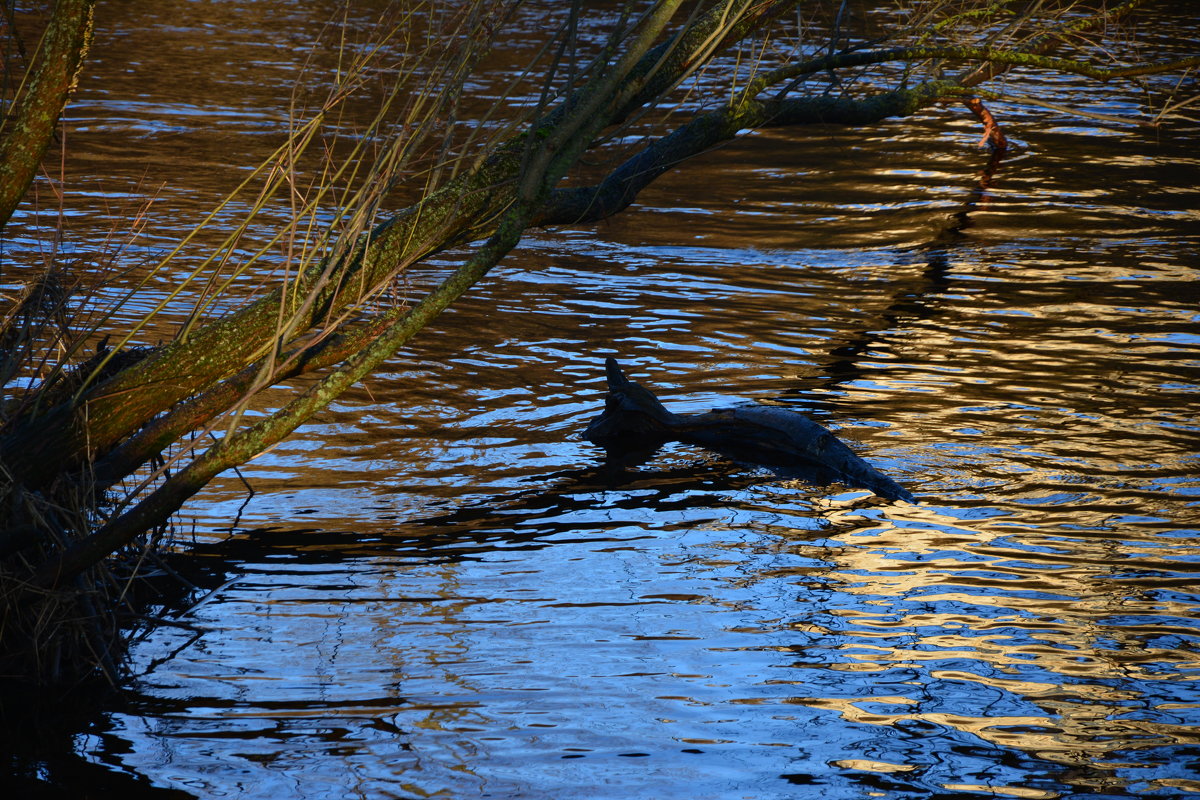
[622, 185]
[1033, 101]
[1010, 58]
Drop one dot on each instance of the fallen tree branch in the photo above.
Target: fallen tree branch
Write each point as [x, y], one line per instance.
[467, 208]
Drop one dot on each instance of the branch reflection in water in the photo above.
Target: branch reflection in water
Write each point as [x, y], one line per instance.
[439, 588]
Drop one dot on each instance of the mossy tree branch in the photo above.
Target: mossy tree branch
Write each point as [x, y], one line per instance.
[214, 366]
[621, 186]
[465, 209]
[989, 55]
[32, 118]
[564, 142]
[120, 421]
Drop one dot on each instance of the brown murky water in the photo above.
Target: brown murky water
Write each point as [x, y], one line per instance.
[437, 590]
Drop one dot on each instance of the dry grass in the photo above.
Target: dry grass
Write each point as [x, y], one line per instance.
[56, 340]
[334, 177]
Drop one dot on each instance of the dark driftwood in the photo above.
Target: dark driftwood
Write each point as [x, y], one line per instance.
[635, 421]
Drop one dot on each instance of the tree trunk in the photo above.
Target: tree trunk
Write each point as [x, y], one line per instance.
[33, 116]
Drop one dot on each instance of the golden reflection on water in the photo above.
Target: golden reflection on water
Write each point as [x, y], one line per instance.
[1067, 617]
[1022, 374]
[1005, 791]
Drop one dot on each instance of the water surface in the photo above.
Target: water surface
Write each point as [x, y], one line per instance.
[437, 589]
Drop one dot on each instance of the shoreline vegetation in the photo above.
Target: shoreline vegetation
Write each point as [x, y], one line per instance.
[103, 435]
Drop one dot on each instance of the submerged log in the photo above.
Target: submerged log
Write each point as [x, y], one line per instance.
[634, 420]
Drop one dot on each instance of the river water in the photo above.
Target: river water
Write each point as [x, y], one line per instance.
[437, 589]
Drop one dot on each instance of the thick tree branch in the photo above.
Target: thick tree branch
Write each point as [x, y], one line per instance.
[622, 185]
[993, 56]
[467, 208]
[158, 434]
[579, 125]
[31, 119]
[563, 143]
[619, 189]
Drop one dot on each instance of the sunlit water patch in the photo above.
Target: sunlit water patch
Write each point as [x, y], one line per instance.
[438, 587]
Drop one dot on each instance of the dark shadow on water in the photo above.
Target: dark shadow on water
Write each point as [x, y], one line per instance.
[41, 733]
[521, 519]
[917, 298]
[553, 510]
[39, 739]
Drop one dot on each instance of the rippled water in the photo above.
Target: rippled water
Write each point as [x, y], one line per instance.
[438, 589]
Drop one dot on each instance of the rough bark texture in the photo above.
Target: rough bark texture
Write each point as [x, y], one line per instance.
[84, 439]
[33, 116]
[464, 210]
